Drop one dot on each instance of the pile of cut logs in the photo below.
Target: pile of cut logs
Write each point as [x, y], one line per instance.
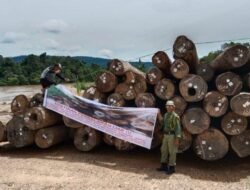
[211, 99]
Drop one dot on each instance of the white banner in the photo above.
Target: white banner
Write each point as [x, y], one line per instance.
[135, 125]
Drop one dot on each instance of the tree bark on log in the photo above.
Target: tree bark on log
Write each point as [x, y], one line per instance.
[229, 83]
[50, 136]
[108, 139]
[19, 104]
[18, 134]
[129, 91]
[205, 71]
[185, 142]
[36, 100]
[215, 104]
[106, 82]
[161, 60]
[185, 49]
[211, 145]
[86, 139]
[3, 132]
[247, 81]
[145, 100]
[179, 69]
[195, 120]
[193, 88]
[120, 67]
[164, 89]
[71, 123]
[154, 75]
[130, 77]
[157, 139]
[116, 99]
[122, 145]
[241, 144]
[233, 57]
[233, 124]
[180, 105]
[40, 117]
[92, 93]
[240, 104]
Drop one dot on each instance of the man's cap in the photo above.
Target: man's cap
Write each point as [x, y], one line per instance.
[170, 103]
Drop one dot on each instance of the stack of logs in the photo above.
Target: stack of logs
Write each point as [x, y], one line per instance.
[211, 99]
[33, 124]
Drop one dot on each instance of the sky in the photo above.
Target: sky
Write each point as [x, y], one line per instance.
[125, 29]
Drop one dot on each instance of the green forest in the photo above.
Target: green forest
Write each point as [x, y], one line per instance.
[28, 71]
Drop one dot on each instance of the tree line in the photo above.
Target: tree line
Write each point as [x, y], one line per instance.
[28, 71]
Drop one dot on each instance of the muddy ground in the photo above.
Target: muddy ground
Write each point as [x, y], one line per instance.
[63, 167]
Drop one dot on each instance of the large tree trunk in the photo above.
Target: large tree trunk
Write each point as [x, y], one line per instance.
[215, 104]
[229, 83]
[211, 145]
[116, 99]
[106, 81]
[241, 144]
[205, 71]
[92, 93]
[50, 136]
[164, 89]
[233, 57]
[154, 74]
[71, 123]
[145, 100]
[233, 124]
[185, 49]
[161, 60]
[185, 142]
[40, 117]
[122, 145]
[180, 105]
[195, 120]
[247, 80]
[19, 104]
[3, 132]
[130, 91]
[108, 139]
[87, 139]
[36, 100]
[119, 68]
[179, 69]
[193, 88]
[240, 104]
[18, 134]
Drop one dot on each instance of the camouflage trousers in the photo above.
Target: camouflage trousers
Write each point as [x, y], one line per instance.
[168, 150]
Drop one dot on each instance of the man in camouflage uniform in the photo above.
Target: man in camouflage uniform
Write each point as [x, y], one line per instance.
[170, 142]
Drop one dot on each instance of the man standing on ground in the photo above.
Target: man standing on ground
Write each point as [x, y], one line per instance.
[49, 74]
[170, 143]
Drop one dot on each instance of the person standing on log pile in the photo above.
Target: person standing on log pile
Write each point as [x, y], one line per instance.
[48, 76]
[172, 134]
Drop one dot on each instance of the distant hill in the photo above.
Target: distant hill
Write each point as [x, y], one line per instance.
[89, 60]
[18, 59]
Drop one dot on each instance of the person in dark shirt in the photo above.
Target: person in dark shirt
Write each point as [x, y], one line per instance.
[49, 74]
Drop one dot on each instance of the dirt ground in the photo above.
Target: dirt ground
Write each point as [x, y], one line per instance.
[63, 167]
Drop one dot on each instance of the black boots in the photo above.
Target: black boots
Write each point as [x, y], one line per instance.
[163, 168]
[171, 170]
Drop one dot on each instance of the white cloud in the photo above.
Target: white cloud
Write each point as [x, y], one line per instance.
[13, 37]
[106, 53]
[54, 26]
[52, 44]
